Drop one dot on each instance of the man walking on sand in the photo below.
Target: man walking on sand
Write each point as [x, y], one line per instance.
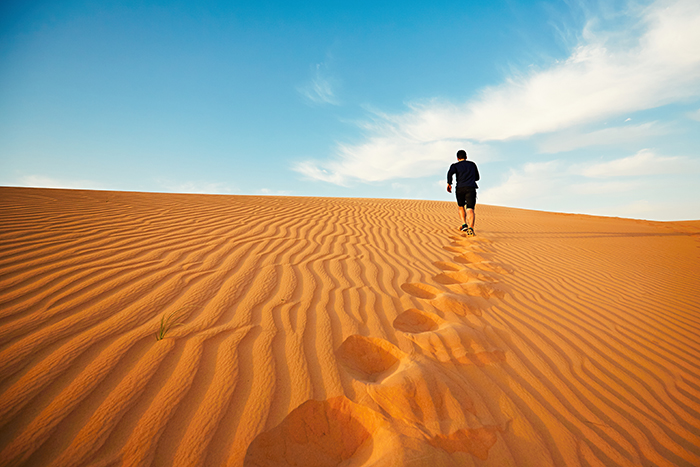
[467, 176]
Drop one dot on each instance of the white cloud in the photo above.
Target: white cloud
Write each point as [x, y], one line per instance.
[320, 90]
[645, 162]
[610, 73]
[313, 170]
[388, 157]
[570, 140]
[533, 181]
[694, 115]
[597, 188]
[599, 79]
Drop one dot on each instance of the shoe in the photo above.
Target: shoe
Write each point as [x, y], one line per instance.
[464, 228]
[470, 232]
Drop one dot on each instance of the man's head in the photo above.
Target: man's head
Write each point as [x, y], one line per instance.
[461, 155]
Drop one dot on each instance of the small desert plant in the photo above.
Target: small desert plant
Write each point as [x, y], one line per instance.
[168, 322]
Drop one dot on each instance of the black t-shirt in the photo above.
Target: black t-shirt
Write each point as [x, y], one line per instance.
[467, 174]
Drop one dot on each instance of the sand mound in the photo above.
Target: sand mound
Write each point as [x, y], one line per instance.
[316, 434]
[353, 332]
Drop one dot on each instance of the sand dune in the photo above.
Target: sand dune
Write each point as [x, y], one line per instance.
[353, 332]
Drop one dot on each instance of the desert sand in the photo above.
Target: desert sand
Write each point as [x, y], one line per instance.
[352, 332]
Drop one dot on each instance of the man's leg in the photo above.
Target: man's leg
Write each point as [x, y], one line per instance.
[462, 214]
[470, 217]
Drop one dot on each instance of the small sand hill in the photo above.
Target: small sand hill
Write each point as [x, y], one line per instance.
[342, 332]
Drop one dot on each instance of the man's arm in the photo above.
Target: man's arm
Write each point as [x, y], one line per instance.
[450, 173]
[477, 173]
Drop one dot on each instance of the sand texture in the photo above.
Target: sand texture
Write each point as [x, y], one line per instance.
[342, 332]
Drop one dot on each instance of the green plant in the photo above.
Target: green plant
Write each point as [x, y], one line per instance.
[168, 322]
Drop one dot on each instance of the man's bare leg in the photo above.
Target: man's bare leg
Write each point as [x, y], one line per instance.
[470, 217]
[462, 214]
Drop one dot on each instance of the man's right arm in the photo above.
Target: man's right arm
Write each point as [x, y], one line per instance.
[450, 173]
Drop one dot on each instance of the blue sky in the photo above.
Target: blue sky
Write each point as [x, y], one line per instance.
[570, 106]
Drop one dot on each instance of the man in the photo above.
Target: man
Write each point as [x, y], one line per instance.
[467, 175]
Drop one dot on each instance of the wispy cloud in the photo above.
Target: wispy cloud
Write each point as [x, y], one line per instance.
[388, 157]
[321, 88]
[609, 73]
[569, 140]
[603, 76]
[534, 181]
[606, 188]
[645, 162]
[545, 183]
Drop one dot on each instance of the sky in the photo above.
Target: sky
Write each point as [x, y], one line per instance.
[571, 106]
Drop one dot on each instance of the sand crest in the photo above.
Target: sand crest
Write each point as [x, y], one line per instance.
[353, 332]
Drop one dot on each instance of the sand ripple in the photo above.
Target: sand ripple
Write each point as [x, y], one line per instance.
[324, 332]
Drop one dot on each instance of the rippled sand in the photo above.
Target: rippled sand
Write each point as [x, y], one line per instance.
[353, 332]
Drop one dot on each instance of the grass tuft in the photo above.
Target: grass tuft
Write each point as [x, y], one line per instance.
[166, 323]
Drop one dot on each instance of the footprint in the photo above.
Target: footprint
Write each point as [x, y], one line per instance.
[448, 342]
[471, 240]
[424, 415]
[450, 302]
[453, 277]
[420, 290]
[478, 261]
[415, 321]
[462, 305]
[462, 276]
[479, 247]
[492, 267]
[479, 240]
[475, 441]
[445, 266]
[481, 288]
[319, 433]
[469, 257]
[421, 406]
[368, 357]
[424, 399]
[338, 431]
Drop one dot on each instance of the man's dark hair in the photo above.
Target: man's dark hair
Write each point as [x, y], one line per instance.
[461, 154]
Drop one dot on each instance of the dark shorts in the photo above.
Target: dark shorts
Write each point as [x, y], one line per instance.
[466, 197]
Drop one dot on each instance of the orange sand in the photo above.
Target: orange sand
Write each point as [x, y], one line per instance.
[353, 332]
